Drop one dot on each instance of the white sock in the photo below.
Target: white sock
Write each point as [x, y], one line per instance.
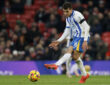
[81, 66]
[63, 59]
[68, 64]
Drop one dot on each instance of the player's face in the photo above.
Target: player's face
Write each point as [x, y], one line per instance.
[67, 12]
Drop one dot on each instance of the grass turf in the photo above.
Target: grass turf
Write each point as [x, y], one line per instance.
[53, 80]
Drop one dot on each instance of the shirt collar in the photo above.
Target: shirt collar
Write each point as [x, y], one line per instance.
[72, 13]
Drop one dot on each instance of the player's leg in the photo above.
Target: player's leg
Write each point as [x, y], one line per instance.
[66, 56]
[77, 54]
[79, 62]
[68, 64]
[63, 59]
[74, 69]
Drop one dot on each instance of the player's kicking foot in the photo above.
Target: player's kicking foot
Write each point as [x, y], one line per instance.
[51, 66]
[84, 78]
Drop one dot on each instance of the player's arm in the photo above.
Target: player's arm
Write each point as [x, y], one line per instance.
[64, 35]
[80, 19]
[66, 32]
[83, 23]
[86, 27]
[86, 33]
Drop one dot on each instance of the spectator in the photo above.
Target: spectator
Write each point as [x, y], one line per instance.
[53, 22]
[56, 53]
[52, 11]
[3, 23]
[91, 52]
[86, 14]
[9, 44]
[14, 37]
[2, 3]
[24, 32]
[87, 58]
[34, 32]
[79, 6]
[101, 47]
[40, 52]
[32, 53]
[96, 28]
[55, 12]
[6, 56]
[90, 6]
[7, 8]
[2, 46]
[40, 15]
[93, 16]
[17, 6]
[107, 24]
[20, 44]
[48, 53]
[101, 6]
[101, 19]
[16, 55]
[54, 34]
[17, 30]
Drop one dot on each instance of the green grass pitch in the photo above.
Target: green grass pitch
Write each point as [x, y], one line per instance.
[54, 80]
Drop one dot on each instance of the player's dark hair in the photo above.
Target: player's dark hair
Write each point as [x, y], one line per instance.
[67, 5]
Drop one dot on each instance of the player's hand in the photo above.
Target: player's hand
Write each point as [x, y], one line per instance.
[85, 46]
[54, 44]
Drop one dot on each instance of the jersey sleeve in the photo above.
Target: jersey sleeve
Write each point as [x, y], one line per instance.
[87, 29]
[79, 17]
[66, 31]
[64, 35]
[81, 20]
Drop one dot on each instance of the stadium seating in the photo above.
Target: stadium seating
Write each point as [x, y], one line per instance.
[106, 38]
[42, 27]
[29, 13]
[106, 34]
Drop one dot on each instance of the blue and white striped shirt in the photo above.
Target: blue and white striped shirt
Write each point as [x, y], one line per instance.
[76, 26]
[73, 23]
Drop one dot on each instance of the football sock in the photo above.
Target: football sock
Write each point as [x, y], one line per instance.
[63, 59]
[81, 66]
[68, 64]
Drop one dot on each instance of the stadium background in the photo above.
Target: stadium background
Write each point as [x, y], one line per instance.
[28, 26]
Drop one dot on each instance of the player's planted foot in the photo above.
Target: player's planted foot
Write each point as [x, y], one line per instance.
[51, 66]
[68, 75]
[84, 78]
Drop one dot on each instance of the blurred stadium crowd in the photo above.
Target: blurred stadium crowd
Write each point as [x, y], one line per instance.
[28, 26]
